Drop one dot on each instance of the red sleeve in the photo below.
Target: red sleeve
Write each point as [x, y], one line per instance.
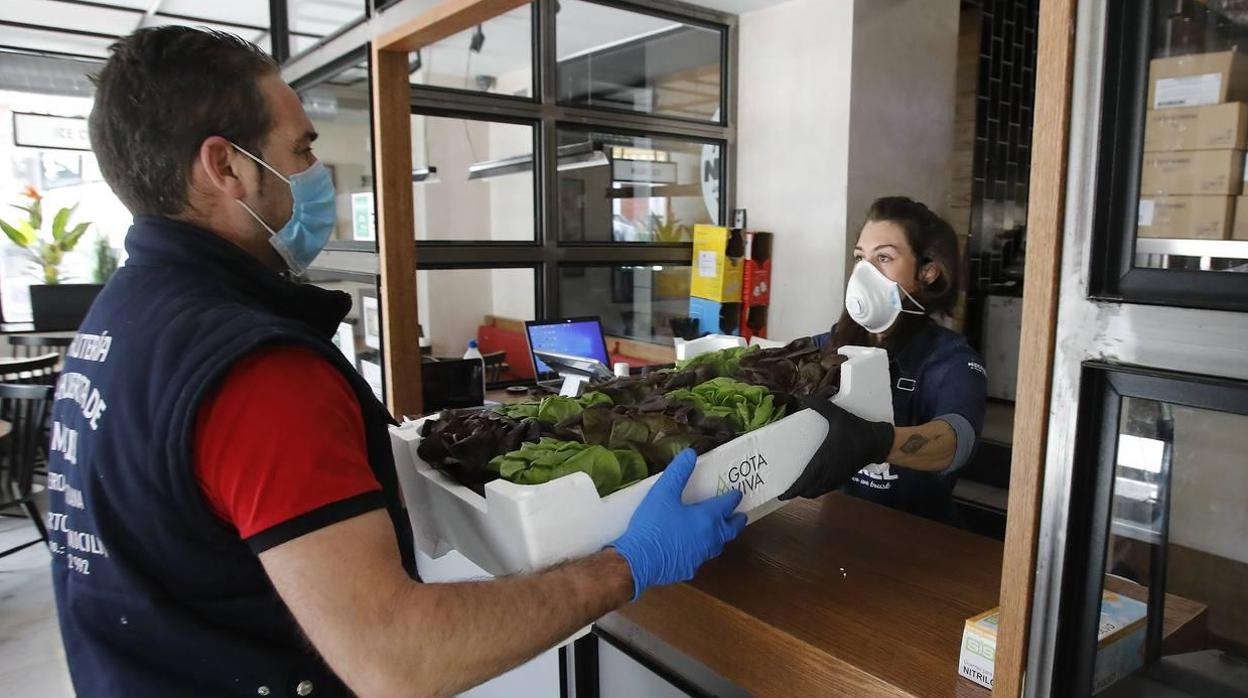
[280, 448]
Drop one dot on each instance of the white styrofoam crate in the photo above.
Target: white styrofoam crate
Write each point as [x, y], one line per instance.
[703, 345]
[521, 528]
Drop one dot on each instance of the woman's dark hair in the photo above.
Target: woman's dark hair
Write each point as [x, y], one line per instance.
[933, 241]
[161, 93]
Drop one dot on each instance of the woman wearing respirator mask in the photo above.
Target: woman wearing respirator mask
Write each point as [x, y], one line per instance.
[906, 272]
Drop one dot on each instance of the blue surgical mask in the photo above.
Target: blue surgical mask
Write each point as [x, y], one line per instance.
[311, 220]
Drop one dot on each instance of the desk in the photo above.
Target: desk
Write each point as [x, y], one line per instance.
[835, 596]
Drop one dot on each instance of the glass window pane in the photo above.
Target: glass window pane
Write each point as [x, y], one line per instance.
[1187, 463]
[473, 180]
[494, 57]
[1191, 215]
[359, 334]
[339, 111]
[633, 301]
[615, 188]
[488, 305]
[61, 179]
[618, 59]
[312, 20]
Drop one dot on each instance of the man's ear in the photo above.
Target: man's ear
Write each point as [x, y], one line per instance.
[221, 167]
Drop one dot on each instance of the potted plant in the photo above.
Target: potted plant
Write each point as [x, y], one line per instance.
[54, 305]
[105, 261]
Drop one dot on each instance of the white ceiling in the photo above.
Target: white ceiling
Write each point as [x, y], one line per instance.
[736, 7]
[86, 28]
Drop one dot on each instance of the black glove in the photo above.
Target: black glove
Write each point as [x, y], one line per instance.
[852, 444]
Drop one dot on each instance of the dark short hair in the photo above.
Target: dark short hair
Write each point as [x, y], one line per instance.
[933, 241]
[161, 93]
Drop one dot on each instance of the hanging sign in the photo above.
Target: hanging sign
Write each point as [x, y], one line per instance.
[43, 131]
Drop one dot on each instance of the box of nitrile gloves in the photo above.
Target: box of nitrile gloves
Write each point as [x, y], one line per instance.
[1120, 642]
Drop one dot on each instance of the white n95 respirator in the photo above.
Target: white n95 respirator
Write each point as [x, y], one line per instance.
[874, 300]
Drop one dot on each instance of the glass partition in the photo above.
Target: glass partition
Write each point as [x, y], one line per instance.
[632, 301]
[339, 110]
[472, 179]
[622, 188]
[613, 58]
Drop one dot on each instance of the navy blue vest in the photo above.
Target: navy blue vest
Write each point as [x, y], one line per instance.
[930, 378]
[156, 595]
[924, 493]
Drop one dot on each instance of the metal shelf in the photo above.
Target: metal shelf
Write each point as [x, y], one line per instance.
[1224, 249]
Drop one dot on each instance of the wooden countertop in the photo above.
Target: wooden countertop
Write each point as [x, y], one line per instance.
[836, 596]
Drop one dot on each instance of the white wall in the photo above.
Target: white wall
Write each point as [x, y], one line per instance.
[840, 103]
[793, 147]
[902, 102]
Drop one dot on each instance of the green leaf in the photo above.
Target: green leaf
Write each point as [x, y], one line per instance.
[596, 398]
[557, 409]
[71, 240]
[519, 410]
[726, 362]
[667, 448]
[60, 220]
[600, 464]
[632, 466]
[14, 234]
[31, 234]
[596, 425]
[36, 214]
[628, 432]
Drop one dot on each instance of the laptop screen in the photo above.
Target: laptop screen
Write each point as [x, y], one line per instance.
[575, 336]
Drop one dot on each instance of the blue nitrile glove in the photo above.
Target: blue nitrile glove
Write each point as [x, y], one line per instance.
[667, 541]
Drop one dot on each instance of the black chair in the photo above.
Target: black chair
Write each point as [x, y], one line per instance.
[40, 370]
[25, 408]
[26, 346]
[451, 384]
[495, 364]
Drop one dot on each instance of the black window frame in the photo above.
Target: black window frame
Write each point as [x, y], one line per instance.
[1113, 274]
[279, 23]
[545, 253]
[1104, 386]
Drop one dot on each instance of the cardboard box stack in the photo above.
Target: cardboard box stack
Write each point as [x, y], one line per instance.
[716, 279]
[1195, 134]
[756, 284]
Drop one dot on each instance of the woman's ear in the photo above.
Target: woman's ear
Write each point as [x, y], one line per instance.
[929, 273]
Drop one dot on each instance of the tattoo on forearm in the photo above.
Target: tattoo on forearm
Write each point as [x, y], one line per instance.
[916, 442]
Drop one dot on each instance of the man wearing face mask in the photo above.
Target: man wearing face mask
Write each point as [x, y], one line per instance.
[224, 511]
[906, 272]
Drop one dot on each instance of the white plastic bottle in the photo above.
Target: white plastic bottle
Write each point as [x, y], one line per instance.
[475, 353]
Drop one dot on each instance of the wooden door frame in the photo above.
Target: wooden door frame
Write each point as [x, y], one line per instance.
[1046, 205]
[1046, 209]
[396, 214]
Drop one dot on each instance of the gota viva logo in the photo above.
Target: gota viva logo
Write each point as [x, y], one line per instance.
[745, 477]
